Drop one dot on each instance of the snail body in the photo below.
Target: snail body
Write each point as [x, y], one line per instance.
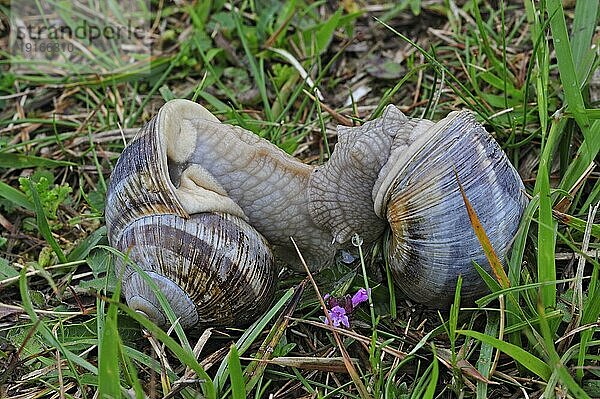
[207, 209]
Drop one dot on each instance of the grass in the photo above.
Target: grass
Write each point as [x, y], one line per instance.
[527, 70]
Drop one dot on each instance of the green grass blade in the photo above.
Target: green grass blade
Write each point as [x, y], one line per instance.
[546, 224]
[486, 354]
[83, 249]
[20, 161]
[108, 357]
[520, 355]
[71, 357]
[586, 154]
[557, 366]
[433, 378]
[238, 387]
[256, 68]
[183, 355]
[15, 196]
[453, 320]
[250, 335]
[542, 67]
[546, 240]
[577, 223]
[590, 313]
[566, 65]
[586, 19]
[513, 308]
[255, 370]
[490, 281]
[162, 300]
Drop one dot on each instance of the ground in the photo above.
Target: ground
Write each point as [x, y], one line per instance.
[525, 69]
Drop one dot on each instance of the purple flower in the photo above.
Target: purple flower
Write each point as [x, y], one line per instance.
[361, 296]
[338, 316]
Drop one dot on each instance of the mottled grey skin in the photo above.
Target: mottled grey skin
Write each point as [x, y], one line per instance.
[320, 207]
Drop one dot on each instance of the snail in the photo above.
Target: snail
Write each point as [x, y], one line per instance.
[207, 209]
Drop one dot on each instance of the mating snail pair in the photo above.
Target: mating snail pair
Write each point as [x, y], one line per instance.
[206, 209]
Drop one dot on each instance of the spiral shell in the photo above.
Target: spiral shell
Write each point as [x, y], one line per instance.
[212, 267]
[431, 239]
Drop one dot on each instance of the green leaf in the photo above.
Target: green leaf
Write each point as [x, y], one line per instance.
[6, 270]
[324, 32]
[51, 196]
[109, 385]
[498, 83]
[520, 355]
[566, 65]
[238, 388]
[15, 196]
[586, 19]
[20, 161]
[83, 249]
[166, 93]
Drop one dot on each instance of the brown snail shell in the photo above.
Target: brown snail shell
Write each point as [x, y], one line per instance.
[196, 203]
[212, 267]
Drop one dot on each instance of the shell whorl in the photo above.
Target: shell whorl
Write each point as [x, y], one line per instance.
[191, 239]
[431, 239]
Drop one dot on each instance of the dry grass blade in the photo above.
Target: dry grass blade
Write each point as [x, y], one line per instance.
[347, 361]
[189, 375]
[256, 368]
[341, 119]
[490, 254]
[327, 364]
[356, 336]
[13, 360]
[565, 203]
[445, 356]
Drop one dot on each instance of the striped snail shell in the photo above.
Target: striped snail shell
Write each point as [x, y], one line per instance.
[191, 240]
[431, 238]
[204, 208]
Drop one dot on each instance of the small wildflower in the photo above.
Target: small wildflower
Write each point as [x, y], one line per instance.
[343, 302]
[340, 308]
[361, 296]
[338, 316]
